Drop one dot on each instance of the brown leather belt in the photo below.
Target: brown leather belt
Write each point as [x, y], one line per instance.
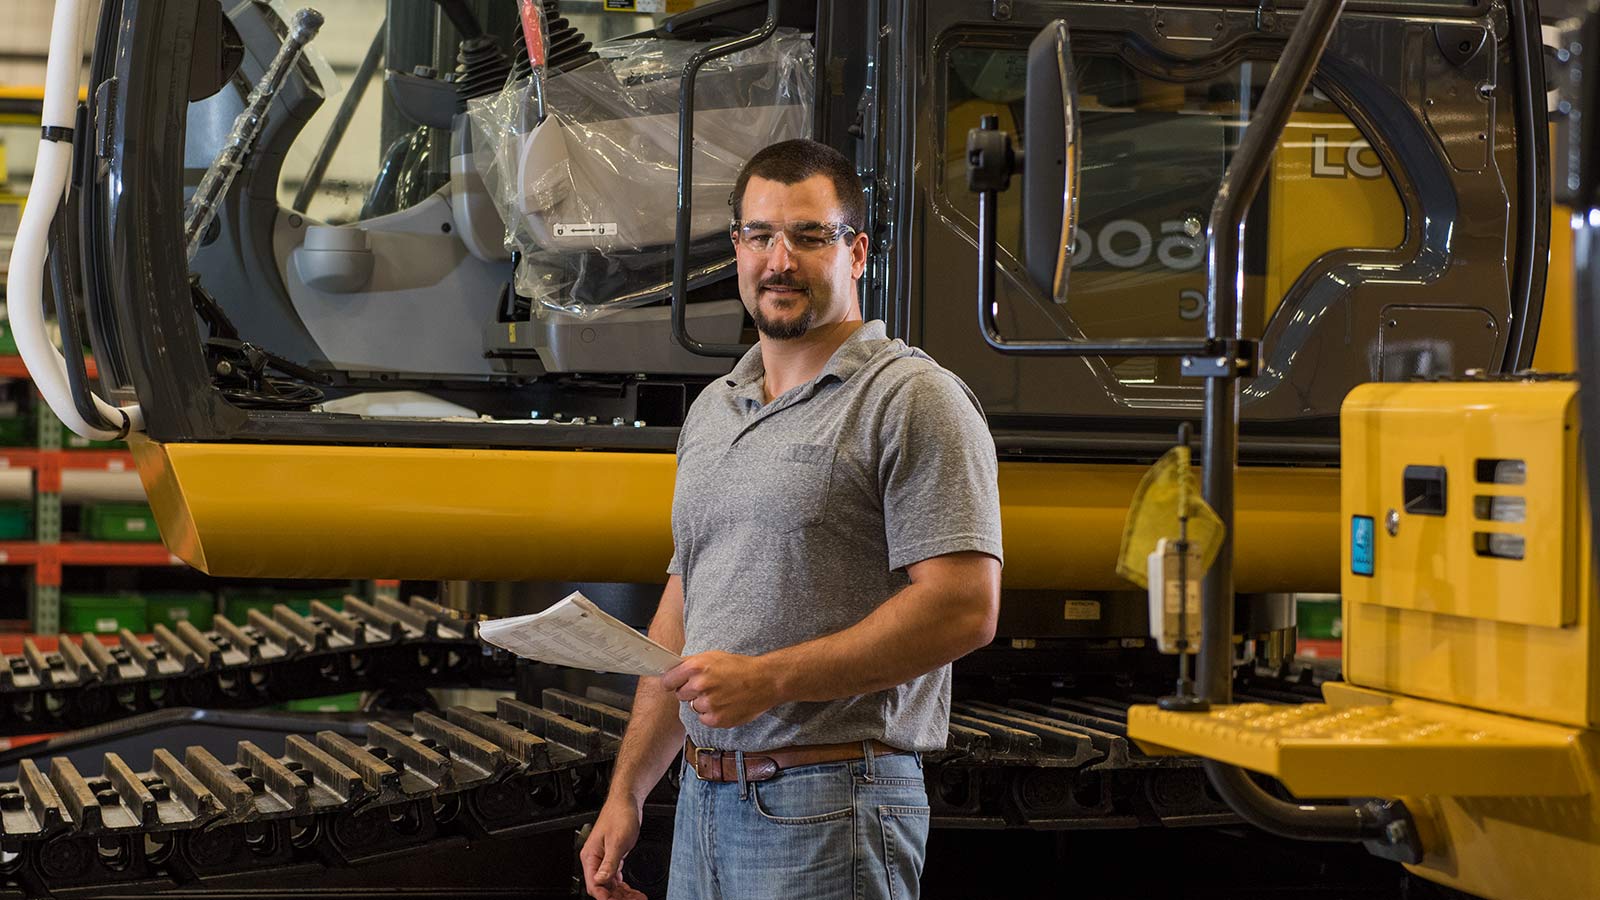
[723, 765]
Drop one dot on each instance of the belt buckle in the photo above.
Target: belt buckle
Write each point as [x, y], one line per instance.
[700, 764]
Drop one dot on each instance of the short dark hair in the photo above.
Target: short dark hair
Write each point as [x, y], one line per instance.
[791, 162]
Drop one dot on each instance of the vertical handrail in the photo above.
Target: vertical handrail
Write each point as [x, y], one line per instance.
[52, 170]
[680, 250]
[1385, 824]
[1225, 323]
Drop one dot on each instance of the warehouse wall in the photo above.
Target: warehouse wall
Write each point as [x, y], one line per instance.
[343, 41]
[350, 27]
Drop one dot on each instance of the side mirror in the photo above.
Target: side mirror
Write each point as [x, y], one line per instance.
[1049, 164]
[1050, 178]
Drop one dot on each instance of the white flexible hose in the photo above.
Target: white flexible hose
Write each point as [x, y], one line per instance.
[25, 288]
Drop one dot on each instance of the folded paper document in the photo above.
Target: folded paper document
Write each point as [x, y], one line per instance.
[576, 633]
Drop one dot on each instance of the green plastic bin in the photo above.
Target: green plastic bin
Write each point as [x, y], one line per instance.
[103, 613]
[71, 440]
[16, 431]
[236, 605]
[350, 702]
[170, 608]
[119, 522]
[1319, 619]
[16, 521]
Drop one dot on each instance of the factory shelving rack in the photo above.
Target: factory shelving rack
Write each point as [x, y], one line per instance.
[46, 553]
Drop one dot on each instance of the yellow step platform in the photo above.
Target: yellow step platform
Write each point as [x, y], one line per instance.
[1365, 743]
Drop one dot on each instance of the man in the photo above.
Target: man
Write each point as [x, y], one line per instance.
[836, 522]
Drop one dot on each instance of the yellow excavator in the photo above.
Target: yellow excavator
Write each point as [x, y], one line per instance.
[1324, 233]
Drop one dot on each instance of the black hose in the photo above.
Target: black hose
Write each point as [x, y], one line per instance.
[65, 288]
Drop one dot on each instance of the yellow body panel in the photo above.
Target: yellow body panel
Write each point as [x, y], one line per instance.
[1323, 164]
[1431, 562]
[1555, 350]
[1516, 848]
[286, 511]
[1359, 744]
[1500, 766]
[1438, 620]
[1506, 808]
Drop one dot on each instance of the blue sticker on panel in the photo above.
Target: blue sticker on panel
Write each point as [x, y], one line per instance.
[1361, 550]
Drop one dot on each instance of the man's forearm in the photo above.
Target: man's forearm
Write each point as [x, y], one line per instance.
[653, 739]
[914, 632]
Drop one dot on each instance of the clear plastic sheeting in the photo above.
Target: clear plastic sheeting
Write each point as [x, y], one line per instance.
[589, 195]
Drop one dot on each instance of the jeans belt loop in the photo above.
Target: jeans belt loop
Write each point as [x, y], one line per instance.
[866, 755]
[744, 786]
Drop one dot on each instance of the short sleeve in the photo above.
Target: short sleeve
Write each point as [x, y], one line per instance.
[675, 565]
[938, 472]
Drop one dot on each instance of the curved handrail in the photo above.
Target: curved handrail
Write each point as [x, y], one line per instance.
[680, 250]
[25, 308]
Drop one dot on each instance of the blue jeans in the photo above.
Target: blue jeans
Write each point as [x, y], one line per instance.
[837, 831]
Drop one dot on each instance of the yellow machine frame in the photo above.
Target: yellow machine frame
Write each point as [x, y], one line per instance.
[434, 513]
[1474, 675]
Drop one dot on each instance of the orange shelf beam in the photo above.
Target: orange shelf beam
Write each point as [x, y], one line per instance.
[49, 464]
[14, 367]
[48, 559]
[20, 458]
[1319, 648]
[19, 553]
[97, 460]
[114, 553]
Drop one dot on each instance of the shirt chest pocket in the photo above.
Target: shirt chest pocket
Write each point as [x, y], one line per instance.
[791, 484]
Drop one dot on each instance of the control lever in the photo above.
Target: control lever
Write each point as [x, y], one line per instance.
[246, 129]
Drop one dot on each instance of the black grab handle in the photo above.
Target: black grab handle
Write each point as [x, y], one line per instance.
[680, 250]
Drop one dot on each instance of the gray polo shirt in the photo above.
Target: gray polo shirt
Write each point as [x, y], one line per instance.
[797, 518]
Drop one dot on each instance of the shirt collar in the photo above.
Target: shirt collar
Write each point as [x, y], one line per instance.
[857, 349]
[854, 353]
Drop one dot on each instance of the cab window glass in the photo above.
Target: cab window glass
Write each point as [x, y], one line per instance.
[1154, 154]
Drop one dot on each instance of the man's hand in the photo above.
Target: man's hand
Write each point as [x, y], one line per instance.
[614, 834]
[724, 689]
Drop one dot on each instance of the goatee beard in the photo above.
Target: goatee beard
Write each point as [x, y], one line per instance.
[784, 329]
